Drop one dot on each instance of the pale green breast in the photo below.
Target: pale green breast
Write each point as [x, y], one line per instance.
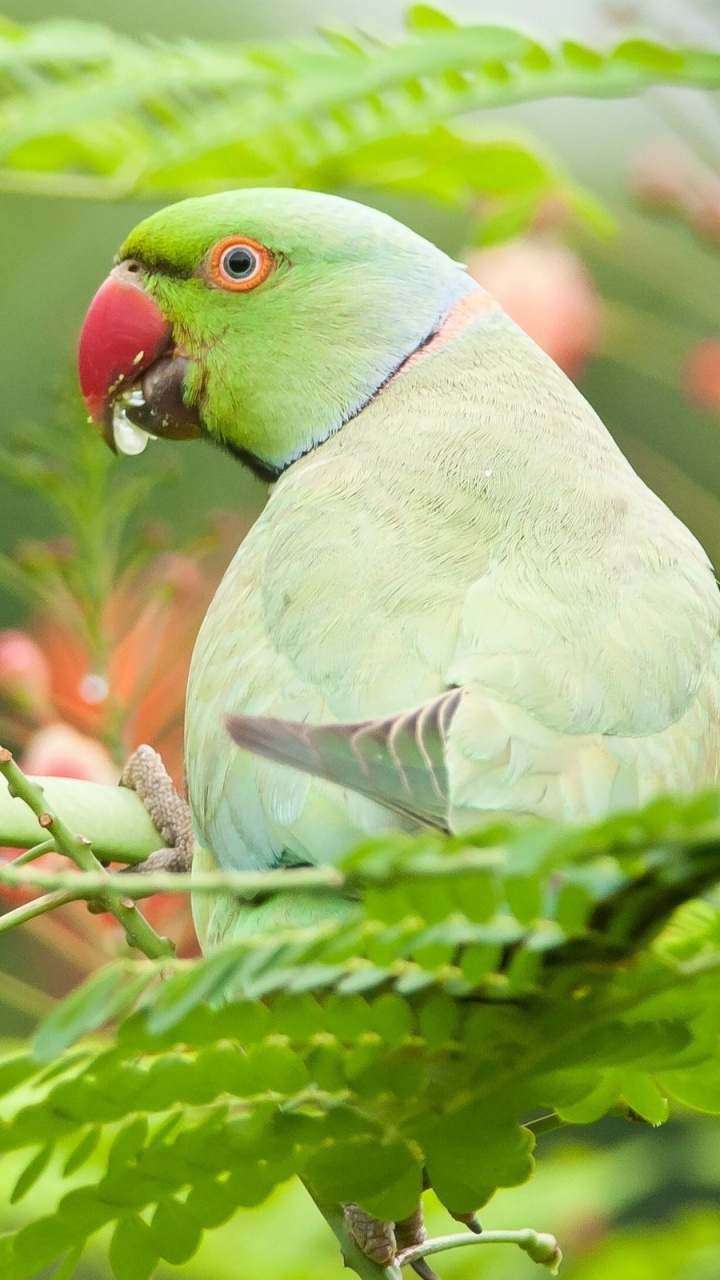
[474, 525]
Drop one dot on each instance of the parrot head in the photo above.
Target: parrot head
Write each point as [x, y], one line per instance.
[260, 319]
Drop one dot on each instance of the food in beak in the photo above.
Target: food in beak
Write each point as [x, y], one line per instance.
[127, 437]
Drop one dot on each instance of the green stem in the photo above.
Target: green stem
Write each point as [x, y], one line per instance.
[539, 1246]
[38, 907]
[26, 999]
[144, 884]
[78, 849]
[45, 846]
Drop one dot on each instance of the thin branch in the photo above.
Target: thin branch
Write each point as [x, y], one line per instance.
[144, 884]
[37, 851]
[138, 930]
[539, 1246]
[38, 907]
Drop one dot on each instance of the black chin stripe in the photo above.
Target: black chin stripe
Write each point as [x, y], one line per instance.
[263, 470]
[268, 473]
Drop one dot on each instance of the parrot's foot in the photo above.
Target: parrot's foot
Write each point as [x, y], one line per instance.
[382, 1241]
[146, 774]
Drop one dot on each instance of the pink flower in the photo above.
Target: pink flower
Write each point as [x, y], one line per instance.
[24, 674]
[545, 288]
[701, 374]
[60, 751]
[67, 718]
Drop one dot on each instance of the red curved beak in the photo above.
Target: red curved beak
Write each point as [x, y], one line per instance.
[123, 334]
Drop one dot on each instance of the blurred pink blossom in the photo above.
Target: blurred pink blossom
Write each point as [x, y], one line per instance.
[60, 751]
[546, 289]
[667, 176]
[701, 374]
[24, 674]
[66, 718]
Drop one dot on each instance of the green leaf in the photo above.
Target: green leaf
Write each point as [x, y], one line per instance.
[98, 1000]
[697, 1087]
[274, 1066]
[423, 17]
[88, 113]
[650, 56]
[175, 1234]
[13, 1071]
[472, 1153]
[595, 1103]
[31, 1173]
[438, 1020]
[69, 1264]
[642, 1094]
[40, 1242]
[367, 1171]
[391, 1018]
[133, 1255]
[82, 1151]
[127, 1143]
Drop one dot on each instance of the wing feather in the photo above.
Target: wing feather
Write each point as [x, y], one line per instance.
[398, 761]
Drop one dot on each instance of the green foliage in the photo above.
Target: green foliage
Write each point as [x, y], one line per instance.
[86, 112]
[93, 503]
[483, 991]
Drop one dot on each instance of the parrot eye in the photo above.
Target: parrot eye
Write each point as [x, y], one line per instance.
[238, 263]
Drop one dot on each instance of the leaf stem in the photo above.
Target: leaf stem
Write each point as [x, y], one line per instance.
[539, 1246]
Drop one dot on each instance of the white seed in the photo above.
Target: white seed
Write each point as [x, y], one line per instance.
[129, 439]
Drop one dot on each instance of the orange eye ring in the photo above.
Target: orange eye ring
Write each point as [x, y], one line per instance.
[239, 264]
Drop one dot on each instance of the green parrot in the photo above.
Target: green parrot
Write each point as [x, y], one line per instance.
[459, 602]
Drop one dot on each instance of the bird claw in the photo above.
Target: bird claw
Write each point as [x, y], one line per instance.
[146, 774]
[382, 1241]
[423, 1269]
[470, 1221]
[375, 1238]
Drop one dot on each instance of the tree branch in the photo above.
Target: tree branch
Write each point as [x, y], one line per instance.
[77, 848]
[112, 818]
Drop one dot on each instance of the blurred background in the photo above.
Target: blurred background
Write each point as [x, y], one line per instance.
[632, 314]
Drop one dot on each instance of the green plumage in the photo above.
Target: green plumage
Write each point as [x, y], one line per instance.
[459, 520]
